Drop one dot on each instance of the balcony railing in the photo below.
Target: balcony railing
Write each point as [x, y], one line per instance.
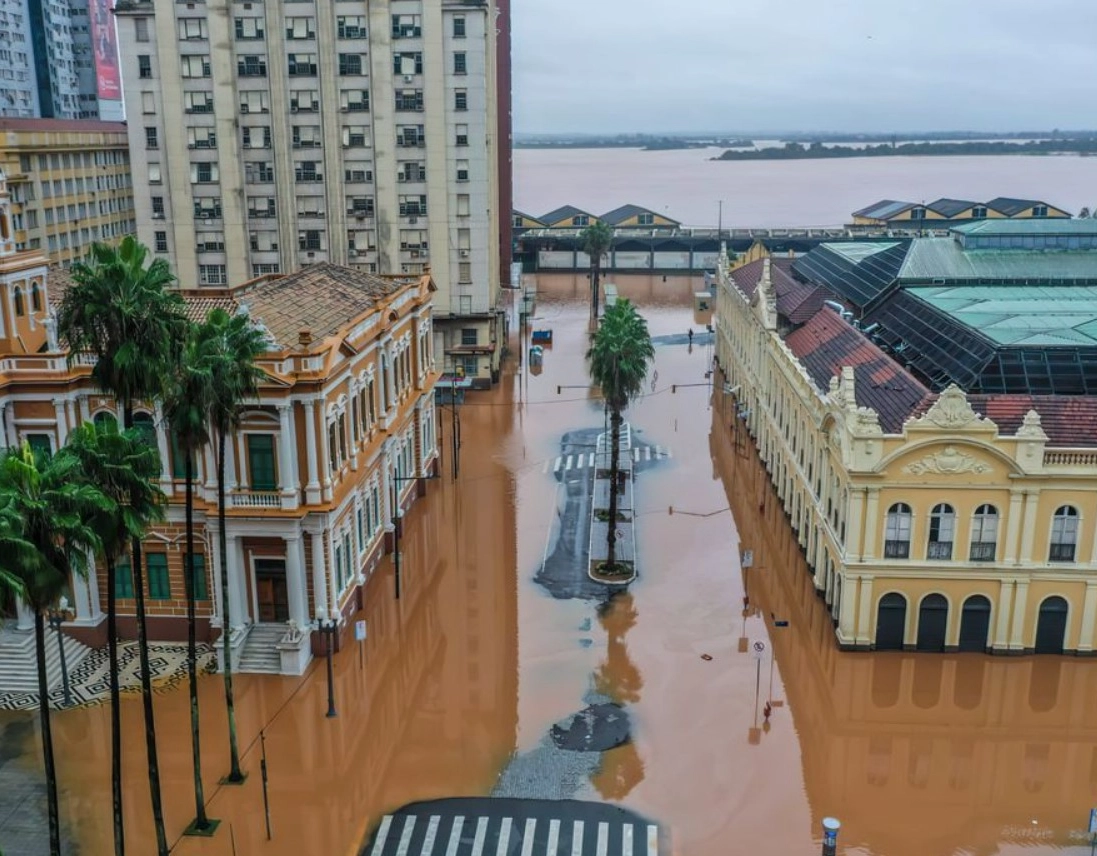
[939, 550]
[896, 549]
[255, 499]
[1061, 553]
[982, 551]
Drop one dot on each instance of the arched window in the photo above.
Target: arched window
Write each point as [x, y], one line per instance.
[105, 421]
[984, 534]
[897, 532]
[942, 528]
[143, 424]
[19, 310]
[1064, 534]
[35, 297]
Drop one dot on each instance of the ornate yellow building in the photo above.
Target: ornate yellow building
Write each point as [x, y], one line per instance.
[931, 519]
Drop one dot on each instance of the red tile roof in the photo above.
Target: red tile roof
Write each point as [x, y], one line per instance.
[826, 343]
[1068, 420]
[797, 301]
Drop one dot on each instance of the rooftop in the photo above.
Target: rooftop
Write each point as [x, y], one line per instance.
[930, 259]
[796, 300]
[84, 126]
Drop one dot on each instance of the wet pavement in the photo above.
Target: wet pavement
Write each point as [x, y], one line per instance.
[461, 682]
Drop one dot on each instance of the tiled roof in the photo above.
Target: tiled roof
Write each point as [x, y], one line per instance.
[883, 209]
[619, 215]
[826, 343]
[1009, 206]
[563, 212]
[58, 281]
[1068, 420]
[797, 301]
[950, 207]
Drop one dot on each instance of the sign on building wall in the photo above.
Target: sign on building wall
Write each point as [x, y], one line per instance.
[105, 44]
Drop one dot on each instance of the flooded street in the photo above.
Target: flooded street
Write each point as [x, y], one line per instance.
[462, 679]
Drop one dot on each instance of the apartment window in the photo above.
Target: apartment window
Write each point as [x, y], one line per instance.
[462, 170]
[354, 100]
[144, 66]
[350, 64]
[262, 468]
[462, 138]
[304, 101]
[257, 137]
[411, 171]
[469, 336]
[306, 136]
[357, 173]
[207, 207]
[1064, 534]
[464, 239]
[354, 136]
[302, 65]
[413, 239]
[201, 138]
[462, 205]
[199, 570]
[309, 240]
[360, 206]
[406, 26]
[413, 206]
[351, 27]
[40, 445]
[409, 136]
[310, 206]
[300, 28]
[264, 269]
[155, 176]
[158, 207]
[409, 99]
[645, 219]
[984, 534]
[407, 63]
[942, 530]
[123, 575]
[254, 101]
[204, 173]
[249, 29]
[148, 103]
[251, 66]
[458, 26]
[192, 29]
[152, 139]
[194, 65]
[212, 275]
[306, 171]
[141, 29]
[197, 102]
[460, 100]
[359, 241]
[156, 566]
[263, 242]
[464, 272]
[897, 532]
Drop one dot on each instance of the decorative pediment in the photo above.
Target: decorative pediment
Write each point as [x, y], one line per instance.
[947, 462]
[951, 410]
[1031, 429]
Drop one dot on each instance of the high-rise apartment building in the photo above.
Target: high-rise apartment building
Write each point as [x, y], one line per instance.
[268, 136]
[69, 182]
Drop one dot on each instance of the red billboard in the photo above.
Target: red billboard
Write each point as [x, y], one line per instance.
[104, 42]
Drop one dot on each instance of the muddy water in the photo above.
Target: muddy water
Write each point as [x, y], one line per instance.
[916, 755]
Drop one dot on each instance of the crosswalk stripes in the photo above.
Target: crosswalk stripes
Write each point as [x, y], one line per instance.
[423, 835]
[566, 463]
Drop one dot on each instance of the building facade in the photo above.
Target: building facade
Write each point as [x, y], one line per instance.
[943, 213]
[931, 518]
[343, 425]
[256, 153]
[69, 185]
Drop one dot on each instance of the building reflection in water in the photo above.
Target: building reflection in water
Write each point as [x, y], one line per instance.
[915, 754]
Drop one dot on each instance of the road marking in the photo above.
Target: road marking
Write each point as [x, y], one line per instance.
[603, 839]
[455, 835]
[554, 837]
[544, 469]
[382, 836]
[567, 466]
[527, 837]
[636, 454]
[626, 840]
[577, 838]
[432, 830]
[579, 459]
[405, 836]
[647, 453]
[653, 840]
[504, 838]
[591, 462]
[556, 469]
[481, 833]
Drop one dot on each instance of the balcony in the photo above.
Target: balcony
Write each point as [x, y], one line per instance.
[896, 549]
[1061, 553]
[255, 499]
[982, 551]
[939, 550]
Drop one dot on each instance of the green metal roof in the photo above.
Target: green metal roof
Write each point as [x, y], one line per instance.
[1020, 315]
[1058, 226]
[929, 259]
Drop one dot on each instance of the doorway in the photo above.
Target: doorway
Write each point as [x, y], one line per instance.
[891, 622]
[1051, 627]
[932, 623]
[271, 591]
[975, 624]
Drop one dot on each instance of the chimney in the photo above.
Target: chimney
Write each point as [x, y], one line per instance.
[304, 338]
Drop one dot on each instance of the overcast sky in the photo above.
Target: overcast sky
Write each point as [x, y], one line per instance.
[688, 65]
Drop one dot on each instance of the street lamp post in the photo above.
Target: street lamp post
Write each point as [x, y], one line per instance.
[327, 625]
[56, 616]
[396, 517]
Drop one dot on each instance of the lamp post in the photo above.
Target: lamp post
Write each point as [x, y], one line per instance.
[327, 625]
[397, 514]
[56, 616]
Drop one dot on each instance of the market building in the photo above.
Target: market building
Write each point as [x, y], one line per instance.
[927, 411]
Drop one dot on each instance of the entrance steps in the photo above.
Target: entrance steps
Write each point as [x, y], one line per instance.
[19, 659]
[261, 654]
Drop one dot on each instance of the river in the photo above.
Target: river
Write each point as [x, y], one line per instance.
[687, 185]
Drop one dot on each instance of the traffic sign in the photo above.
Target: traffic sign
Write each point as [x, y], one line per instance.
[360, 630]
[758, 649]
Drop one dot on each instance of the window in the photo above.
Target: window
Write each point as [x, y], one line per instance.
[917, 213]
[152, 139]
[413, 206]
[350, 64]
[1039, 210]
[148, 103]
[161, 242]
[197, 102]
[41, 446]
[261, 462]
[304, 100]
[141, 30]
[251, 66]
[158, 207]
[406, 26]
[942, 527]
[300, 28]
[310, 240]
[646, 220]
[302, 65]
[469, 336]
[984, 534]
[460, 63]
[123, 578]
[20, 309]
[257, 137]
[201, 591]
[462, 135]
[204, 173]
[212, 275]
[156, 565]
[357, 172]
[354, 100]
[407, 63]
[194, 65]
[460, 100]
[178, 462]
[142, 423]
[207, 207]
[263, 269]
[580, 220]
[458, 26]
[333, 447]
[979, 212]
[409, 99]
[355, 136]
[464, 272]
[249, 29]
[411, 171]
[462, 170]
[462, 205]
[306, 136]
[144, 65]
[897, 532]
[351, 27]
[409, 136]
[1064, 534]
[258, 172]
[192, 29]
[254, 101]
[360, 206]
[306, 171]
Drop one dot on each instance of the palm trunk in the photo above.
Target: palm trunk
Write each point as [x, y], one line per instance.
[146, 680]
[47, 735]
[614, 466]
[595, 270]
[235, 775]
[201, 822]
[115, 709]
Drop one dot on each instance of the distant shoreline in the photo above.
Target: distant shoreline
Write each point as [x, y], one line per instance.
[818, 151]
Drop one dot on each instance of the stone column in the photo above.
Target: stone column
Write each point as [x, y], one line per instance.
[287, 459]
[165, 455]
[872, 524]
[298, 605]
[303, 579]
[9, 425]
[1089, 614]
[1013, 525]
[237, 586]
[854, 538]
[387, 505]
[231, 480]
[849, 593]
[333, 585]
[215, 574]
[70, 413]
[85, 409]
[24, 615]
[325, 454]
[62, 422]
[864, 618]
[319, 583]
[1017, 627]
[81, 593]
[312, 489]
[1002, 613]
[1028, 532]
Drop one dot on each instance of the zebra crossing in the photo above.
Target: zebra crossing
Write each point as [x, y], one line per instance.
[564, 463]
[466, 835]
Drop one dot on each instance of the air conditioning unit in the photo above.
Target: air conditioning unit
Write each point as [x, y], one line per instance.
[407, 78]
[311, 254]
[293, 108]
[353, 253]
[464, 254]
[344, 109]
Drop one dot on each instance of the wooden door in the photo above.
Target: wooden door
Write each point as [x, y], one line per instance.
[271, 590]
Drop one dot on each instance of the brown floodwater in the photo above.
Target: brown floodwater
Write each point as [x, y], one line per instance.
[915, 754]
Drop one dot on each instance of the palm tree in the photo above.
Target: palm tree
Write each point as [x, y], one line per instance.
[46, 535]
[596, 240]
[187, 404]
[125, 469]
[124, 314]
[236, 378]
[619, 356]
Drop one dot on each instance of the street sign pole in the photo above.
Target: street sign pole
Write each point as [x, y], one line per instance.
[360, 636]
